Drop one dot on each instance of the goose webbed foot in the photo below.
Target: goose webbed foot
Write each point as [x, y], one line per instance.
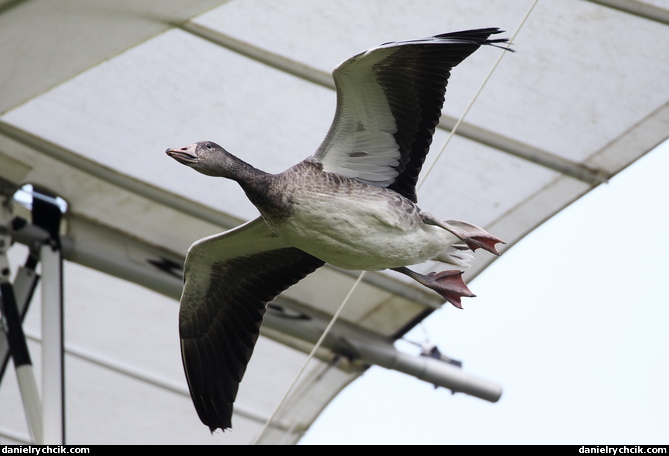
[448, 284]
[474, 236]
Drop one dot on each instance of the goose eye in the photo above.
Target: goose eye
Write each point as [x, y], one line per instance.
[208, 146]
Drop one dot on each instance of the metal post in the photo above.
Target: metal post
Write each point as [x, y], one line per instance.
[430, 370]
[53, 385]
[47, 215]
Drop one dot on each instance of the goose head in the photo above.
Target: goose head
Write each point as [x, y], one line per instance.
[207, 158]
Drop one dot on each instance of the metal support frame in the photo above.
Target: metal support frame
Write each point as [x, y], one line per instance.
[46, 416]
[24, 286]
[16, 341]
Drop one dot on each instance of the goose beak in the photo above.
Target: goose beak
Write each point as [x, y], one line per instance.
[185, 155]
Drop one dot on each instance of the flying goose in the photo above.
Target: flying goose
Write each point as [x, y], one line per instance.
[351, 204]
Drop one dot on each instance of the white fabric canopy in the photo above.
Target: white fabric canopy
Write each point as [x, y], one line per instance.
[94, 92]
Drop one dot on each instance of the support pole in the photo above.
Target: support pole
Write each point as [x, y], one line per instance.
[53, 385]
[430, 370]
[47, 215]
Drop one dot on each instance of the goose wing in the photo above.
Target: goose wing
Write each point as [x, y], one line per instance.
[228, 280]
[389, 101]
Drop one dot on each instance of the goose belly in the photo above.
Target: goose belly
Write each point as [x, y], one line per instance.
[365, 234]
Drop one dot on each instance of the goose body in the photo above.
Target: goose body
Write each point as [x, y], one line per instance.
[351, 204]
[348, 223]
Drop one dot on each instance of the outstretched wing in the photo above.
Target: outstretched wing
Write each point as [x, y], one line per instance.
[229, 279]
[389, 101]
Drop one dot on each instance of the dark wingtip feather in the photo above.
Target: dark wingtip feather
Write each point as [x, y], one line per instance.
[479, 36]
